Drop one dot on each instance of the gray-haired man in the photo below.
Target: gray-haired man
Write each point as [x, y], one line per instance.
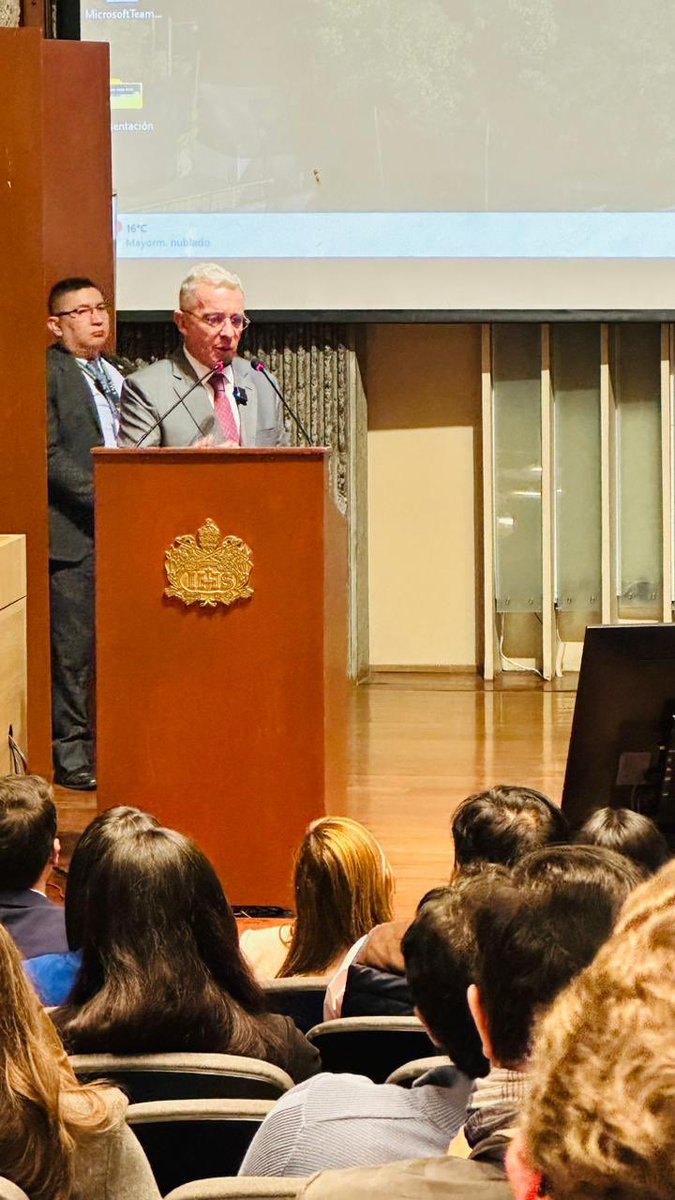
[231, 406]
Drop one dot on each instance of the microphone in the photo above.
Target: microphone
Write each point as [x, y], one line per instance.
[260, 366]
[181, 400]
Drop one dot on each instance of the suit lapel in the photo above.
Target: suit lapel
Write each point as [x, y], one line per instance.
[85, 391]
[248, 413]
[199, 401]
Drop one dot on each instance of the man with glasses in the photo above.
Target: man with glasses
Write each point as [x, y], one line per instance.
[204, 394]
[83, 412]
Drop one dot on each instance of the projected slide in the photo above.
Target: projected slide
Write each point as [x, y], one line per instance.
[390, 129]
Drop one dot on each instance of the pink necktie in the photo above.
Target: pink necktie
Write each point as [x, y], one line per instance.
[223, 409]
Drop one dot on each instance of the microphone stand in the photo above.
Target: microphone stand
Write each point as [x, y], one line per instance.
[181, 400]
[260, 366]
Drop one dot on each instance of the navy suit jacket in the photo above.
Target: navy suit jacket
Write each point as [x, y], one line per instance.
[37, 925]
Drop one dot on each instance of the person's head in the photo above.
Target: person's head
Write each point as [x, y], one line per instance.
[29, 846]
[79, 316]
[343, 888]
[627, 832]
[504, 823]
[161, 965]
[97, 839]
[210, 314]
[439, 950]
[44, 1110]
[599, 1119]
[534, 932]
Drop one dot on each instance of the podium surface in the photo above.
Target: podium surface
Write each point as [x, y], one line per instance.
[225, 721]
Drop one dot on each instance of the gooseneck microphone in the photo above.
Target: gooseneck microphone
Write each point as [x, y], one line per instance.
[260, 366]
[181, 400]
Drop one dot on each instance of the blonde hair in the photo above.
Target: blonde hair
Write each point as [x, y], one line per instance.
[343, 888]
[44, 1109]
[207, 273]
[599, 1121]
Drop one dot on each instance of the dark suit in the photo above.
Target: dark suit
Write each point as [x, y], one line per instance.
[73, 431]
[36, 924]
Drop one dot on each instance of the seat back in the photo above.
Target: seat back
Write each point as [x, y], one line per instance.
[300, 997]
[186, 1140]
[265, 1188]
[185, 1076]
[372, 1046]
[10, 1191]
[406, 1075]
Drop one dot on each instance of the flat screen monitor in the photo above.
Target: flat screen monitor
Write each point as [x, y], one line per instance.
[622, 743]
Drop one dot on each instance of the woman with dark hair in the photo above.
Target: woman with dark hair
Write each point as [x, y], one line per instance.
[629, 833]
[161, 965]
[53, 975]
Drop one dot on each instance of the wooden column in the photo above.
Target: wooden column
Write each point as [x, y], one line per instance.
[54, 220]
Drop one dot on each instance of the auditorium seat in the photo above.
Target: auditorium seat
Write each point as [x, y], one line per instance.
[406, 1075]
[300, 997]
[195, 1139]
[185, 1076]
[9, 1191]
[372, 1046]
[265, 1188]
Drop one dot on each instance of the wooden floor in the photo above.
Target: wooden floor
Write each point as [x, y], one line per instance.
[419, 743]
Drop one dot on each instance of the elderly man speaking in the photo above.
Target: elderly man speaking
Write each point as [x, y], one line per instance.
[204, 394]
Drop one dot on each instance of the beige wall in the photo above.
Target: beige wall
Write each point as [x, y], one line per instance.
[422, 385]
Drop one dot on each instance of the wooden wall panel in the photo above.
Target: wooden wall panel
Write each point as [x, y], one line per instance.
[55, 219]
[77, 170]
[23, 439]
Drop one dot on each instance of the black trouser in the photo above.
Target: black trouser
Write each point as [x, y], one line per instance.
[73, 663]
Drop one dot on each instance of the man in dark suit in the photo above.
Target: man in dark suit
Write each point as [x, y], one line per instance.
[29, 848]
[230, 406]
[83, 411]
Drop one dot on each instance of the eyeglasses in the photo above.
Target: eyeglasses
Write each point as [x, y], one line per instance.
[85, 310]
[238, 321]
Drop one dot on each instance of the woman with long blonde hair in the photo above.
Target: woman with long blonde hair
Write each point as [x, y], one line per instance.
[59, 1140]
[343, 887]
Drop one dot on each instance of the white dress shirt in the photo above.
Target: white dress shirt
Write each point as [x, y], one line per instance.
[107, 419]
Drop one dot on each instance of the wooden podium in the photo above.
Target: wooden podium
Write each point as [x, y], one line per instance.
[226, 722]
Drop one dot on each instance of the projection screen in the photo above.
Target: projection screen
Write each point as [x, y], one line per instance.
[379, 155]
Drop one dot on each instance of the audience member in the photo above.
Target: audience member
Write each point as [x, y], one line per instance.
[499, 825]
[504, 824]
[531, 938]
[58, 1139]
[627, 832]
[599, 1119]
[342, 1120]
[535, 932]
[343, 886]
[53, 975]
[29, 848]
[161, 965]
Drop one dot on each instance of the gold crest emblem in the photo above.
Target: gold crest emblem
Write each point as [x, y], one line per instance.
[206, 570]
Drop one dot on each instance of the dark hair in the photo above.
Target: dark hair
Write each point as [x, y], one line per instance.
[535, 931]
[161, 965]
[629, 833]
[99, 836]
[504, 823]
[27, 830]
[439, 950]
[76, 283]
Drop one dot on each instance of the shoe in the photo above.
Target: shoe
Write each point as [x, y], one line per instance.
[76, 781]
